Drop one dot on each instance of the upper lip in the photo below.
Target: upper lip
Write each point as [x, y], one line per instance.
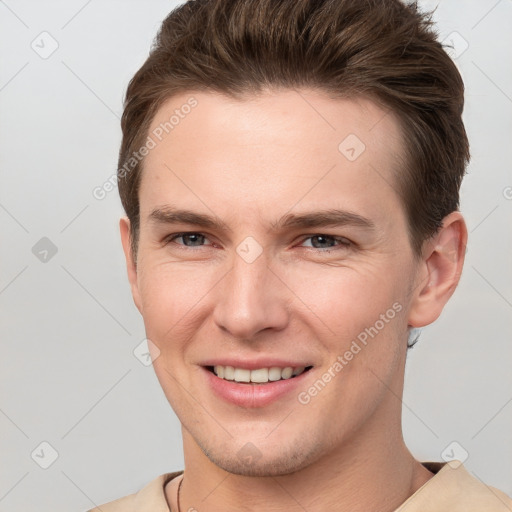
[254, 364]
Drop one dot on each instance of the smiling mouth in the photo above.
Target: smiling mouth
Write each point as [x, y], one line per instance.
[258, 376]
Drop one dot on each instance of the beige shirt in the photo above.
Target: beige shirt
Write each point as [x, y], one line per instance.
[449, 490]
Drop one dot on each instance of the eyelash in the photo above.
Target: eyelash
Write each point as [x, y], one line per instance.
[343, 242]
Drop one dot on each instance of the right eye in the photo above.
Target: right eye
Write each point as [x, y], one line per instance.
[191, 236]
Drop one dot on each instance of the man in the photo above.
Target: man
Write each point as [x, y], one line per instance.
[290, 173]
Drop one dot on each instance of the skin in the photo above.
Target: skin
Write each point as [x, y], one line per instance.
[250, 162]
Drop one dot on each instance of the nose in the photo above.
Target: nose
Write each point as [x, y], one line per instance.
[251, 298]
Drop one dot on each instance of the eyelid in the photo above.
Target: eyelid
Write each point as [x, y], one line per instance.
[170, 238]
[343, 241]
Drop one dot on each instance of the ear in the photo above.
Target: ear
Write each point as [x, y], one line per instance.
[439, 272]
[124, 227]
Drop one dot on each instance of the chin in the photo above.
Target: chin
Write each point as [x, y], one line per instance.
[250, 461]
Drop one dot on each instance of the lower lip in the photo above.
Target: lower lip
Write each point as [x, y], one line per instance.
[253, 395]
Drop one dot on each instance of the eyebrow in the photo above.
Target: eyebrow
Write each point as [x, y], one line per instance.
[323, 218]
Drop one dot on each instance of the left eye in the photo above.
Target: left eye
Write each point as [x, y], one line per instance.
[323, 239]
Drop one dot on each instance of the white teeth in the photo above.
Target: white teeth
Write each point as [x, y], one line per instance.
[287, 372]
[229, 372]
[242, 375]
[274, 373]
[260, 375]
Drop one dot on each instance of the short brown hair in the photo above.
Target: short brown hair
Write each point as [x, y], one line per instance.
[384, 49]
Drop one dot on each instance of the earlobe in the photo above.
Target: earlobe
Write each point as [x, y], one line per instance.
[440, 271]
[124, 227]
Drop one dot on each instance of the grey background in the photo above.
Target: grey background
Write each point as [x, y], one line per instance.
[68, 373]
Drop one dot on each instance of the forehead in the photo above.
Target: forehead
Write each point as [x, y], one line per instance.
[257, 118]
[275, 147]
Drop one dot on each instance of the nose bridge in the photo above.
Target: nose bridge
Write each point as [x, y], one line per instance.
[251, 269]
[251, 298]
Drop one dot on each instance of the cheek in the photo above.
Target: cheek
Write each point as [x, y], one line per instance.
[172, 297]
[359, 319]
[344, 301]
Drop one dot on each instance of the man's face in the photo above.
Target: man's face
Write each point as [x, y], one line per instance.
[260, 290]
